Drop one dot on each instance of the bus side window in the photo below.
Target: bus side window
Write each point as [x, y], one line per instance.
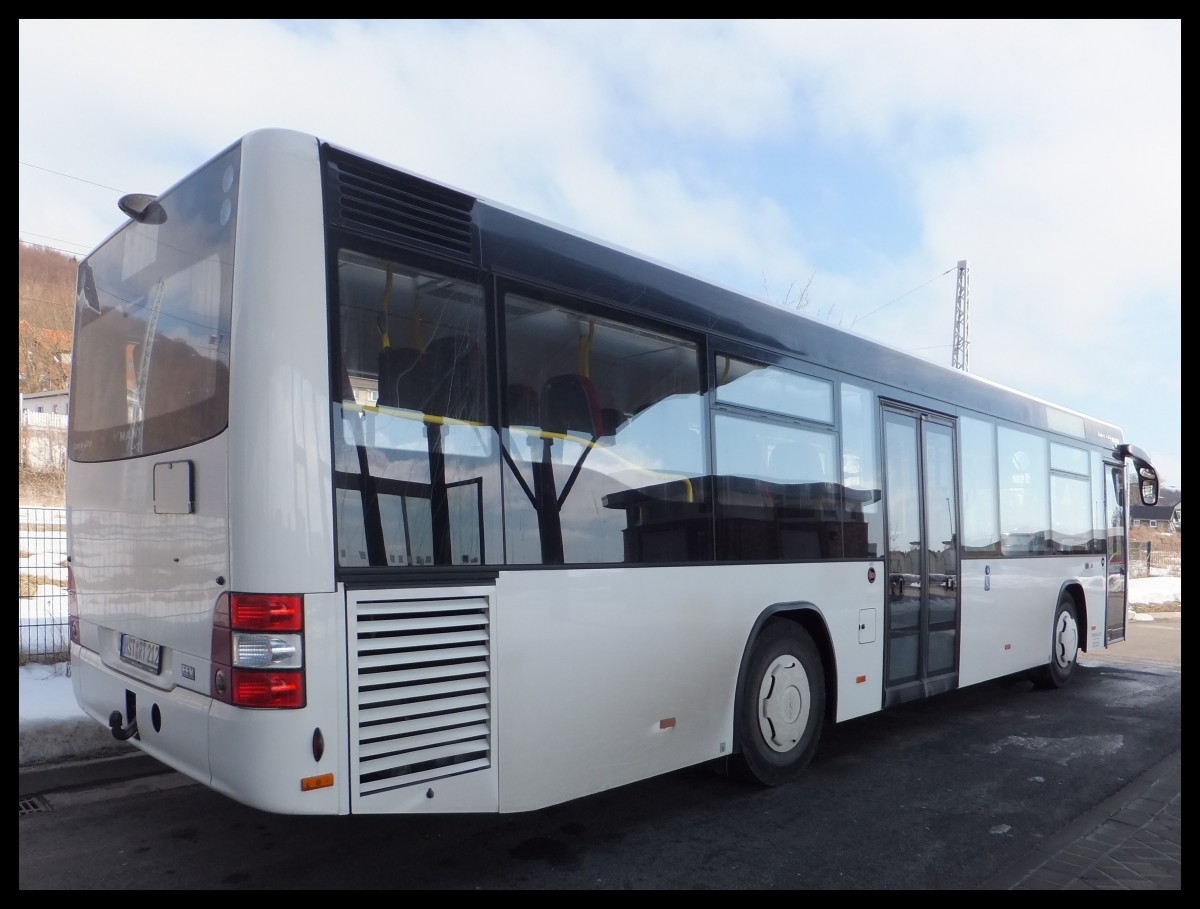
[452, 368]
[799, 462]
[397, 367]
[524, 406]
[570, 403]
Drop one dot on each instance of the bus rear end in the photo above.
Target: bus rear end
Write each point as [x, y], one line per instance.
[184, 641]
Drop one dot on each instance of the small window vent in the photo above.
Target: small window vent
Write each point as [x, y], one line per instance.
[385, 203]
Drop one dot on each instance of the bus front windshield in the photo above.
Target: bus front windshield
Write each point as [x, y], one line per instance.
[150, 371]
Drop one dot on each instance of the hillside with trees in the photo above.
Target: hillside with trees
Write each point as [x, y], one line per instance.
[45, 311]
[45, 303]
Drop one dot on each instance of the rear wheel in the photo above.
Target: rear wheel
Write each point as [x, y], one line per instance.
[782, 708]
[1064, 647]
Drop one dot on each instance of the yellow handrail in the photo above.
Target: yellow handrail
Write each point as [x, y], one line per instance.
[437, 420]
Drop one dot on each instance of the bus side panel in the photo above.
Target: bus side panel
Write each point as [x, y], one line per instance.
[1095, 592]
[1008, 610]
[261, 757]
[280, 470]
[155, 577]
[146, 574]
[608, 677]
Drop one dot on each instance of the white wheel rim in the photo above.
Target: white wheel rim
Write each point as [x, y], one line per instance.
[1066, 640]
[784, 703]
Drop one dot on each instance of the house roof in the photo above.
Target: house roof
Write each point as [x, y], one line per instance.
[1151, 512]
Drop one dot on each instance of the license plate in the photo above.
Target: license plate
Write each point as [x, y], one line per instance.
[145, 654]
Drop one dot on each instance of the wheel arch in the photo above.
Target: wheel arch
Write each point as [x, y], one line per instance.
[1074, 590]
[809, 617]
[1058, 668]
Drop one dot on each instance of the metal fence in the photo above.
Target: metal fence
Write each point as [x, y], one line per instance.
[42, 634]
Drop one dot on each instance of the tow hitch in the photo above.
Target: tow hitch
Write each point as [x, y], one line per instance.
[116, 722]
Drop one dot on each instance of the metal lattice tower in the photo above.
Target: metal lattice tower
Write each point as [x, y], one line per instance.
[962, 319]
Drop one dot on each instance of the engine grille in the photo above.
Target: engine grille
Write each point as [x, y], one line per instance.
[422, 702]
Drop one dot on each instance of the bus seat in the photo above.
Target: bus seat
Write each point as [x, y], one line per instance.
[569, 402]
[452, 367]
[523, 406]
[398, 381]
[611, 419]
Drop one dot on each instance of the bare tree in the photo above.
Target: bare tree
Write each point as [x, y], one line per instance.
[46, 299]
[792, 300]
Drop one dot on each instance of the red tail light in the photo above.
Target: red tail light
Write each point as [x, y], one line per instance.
[258, 650]
[263, 688]
[266, 612]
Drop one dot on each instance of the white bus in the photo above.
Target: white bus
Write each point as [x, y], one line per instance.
[386, 498]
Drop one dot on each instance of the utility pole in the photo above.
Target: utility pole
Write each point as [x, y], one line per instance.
[962, 319]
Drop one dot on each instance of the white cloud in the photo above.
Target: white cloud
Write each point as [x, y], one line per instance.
[869, 155]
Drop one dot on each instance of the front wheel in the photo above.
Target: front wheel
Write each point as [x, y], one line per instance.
[1064, 648]
[781, 710]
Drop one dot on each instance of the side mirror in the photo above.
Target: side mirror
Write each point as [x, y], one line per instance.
[1147, 475]
[1149, 485]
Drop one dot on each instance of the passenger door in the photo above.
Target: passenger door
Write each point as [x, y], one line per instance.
[922, 615]
[1118, 558]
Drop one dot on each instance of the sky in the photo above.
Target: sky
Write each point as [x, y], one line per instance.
[842, 167]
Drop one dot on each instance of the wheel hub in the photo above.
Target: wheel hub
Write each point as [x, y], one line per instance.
[785, 700]
[1066, 640]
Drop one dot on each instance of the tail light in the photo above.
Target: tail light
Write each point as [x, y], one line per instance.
[258, 650]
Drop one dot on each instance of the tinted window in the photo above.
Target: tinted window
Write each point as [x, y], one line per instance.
[604, 441]
[417, 462]
[1023, 472]
[150, 372]
[981, 524]
[778, 483]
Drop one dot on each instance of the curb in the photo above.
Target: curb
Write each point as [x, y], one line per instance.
[34, 779]
[1108, 830]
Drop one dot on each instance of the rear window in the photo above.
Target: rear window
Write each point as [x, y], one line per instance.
[150, 365]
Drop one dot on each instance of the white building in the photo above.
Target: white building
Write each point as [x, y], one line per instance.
[42, 444]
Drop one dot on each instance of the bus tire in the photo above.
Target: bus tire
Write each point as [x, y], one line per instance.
[781, 711]
[1064, 647]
